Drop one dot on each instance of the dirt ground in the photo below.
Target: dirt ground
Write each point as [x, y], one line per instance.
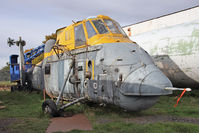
[81, 122]
[64, 124]
[5, 123]
[154, 119]
[162, 118]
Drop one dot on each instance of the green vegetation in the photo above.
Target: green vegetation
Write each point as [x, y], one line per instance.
[48, 37]
[121, 127]
[25, 108]
[5, 73]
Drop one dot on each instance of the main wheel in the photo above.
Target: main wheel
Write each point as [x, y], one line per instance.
[49, 107]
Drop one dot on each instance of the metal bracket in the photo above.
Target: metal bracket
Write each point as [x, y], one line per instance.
[71, 103]
[57, 51]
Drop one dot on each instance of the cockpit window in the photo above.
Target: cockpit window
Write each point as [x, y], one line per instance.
[79, 36]
[100, 26]
[90, 30]
[119, 28]
[112, 26]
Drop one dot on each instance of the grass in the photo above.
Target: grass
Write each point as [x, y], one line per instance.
[187, 107]
[26, 108]
[21, 104]
[121, 127]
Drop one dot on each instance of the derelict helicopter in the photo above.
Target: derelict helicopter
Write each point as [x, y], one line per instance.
[94, 59]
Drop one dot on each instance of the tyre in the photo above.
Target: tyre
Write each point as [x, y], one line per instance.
[49, 107]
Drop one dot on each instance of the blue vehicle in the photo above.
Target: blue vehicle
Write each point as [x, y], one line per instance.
[32, 54]
[28, 64]
[14, 68]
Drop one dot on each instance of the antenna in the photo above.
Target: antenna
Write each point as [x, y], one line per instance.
[73, 21]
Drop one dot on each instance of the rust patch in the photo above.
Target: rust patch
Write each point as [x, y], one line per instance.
[64, 124]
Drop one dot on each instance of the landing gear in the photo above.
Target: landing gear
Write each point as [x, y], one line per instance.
[49, 107]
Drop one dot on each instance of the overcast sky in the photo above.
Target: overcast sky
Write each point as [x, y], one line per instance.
[33, 19]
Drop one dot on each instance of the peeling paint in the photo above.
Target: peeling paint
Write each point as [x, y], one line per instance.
[185, 47]
[177, 40]
[181, 47]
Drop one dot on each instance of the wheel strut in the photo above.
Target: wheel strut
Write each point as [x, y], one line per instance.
[71, 103]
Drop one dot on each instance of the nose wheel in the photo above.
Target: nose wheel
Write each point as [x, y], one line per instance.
[49, 107]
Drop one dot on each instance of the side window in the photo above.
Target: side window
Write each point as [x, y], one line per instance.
[79, 36]
[90, 30]
[47, 69]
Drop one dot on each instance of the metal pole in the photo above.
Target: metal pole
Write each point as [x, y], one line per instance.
[22, 74]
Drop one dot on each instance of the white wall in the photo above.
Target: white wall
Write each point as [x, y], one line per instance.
[164, 21]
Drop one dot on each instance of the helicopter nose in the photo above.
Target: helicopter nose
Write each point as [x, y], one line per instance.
[141, 88]
[149, 81]
[155, 84]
